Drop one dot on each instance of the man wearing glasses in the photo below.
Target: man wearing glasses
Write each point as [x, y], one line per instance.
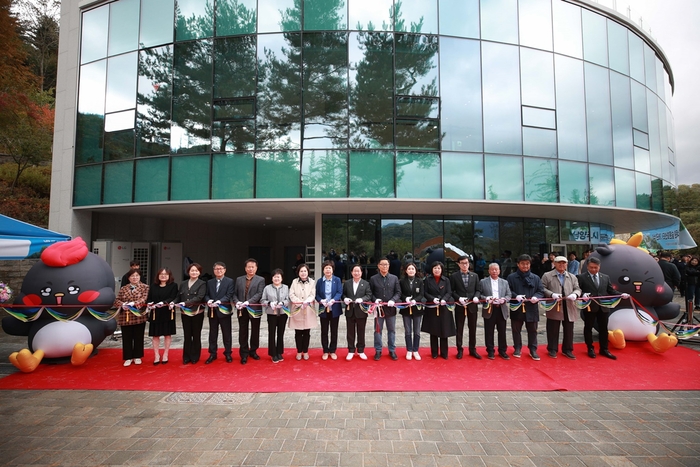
[464, 290]
[219, 292]
[385, 290]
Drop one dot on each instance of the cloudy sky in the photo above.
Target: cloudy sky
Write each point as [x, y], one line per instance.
[674, 25]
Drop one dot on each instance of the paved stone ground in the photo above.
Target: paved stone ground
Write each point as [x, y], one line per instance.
[619, 429]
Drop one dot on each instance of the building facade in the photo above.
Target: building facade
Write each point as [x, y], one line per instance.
[256, 127]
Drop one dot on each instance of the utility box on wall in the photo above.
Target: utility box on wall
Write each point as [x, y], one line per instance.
[168, 255]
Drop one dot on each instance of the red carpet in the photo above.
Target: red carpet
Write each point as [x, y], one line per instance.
[637, 368]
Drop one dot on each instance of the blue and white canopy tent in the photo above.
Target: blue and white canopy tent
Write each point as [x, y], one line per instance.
[19, 240]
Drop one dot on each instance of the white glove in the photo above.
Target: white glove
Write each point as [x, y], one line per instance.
[413, 302]
[331, 302]
[150, 305]
[171, 305]
[210, 303]
[217, 303]
[377, 301]
[323, 302]
[273, 305]
[462, 301]
[125, 306]
[556, 296]
[586, 295]
[239, 305]
[500, 301]
[408, 299]
[279, 305]
[436, 301]
[534, 300]
[443, 302]
[520, 298]
[131, 303]
[625, 296]
[245, 304]
[390, 303]
[572, 297]
[347, 301]
[359, 300]
[160, 304]
[304, 304]
[181, 304]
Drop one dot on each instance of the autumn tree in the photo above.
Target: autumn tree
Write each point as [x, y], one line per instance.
[38, 22]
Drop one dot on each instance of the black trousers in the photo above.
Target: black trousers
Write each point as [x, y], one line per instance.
[302, 337]
[192, 333]
[589, 319]
[434, 346]
[553, 326]
[275, 334]
[356, 326]
[132, 341]
[498, 323]
[471, 319]
[225, 323]
[329, 324]
[243, 321]
[517, 326]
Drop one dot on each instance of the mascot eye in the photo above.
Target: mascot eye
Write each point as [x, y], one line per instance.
[46, 292]
[624, 280]
[73, 289]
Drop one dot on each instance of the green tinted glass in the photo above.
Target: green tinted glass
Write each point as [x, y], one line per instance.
[232, 176]
[277, 175]
[540, 180]
[573, 182]
[190, 178]
[324, 174]
[329, 15]
[87, 185]
[504, 178]
[371, 174]
[417, 175]
[462, 176]
[235, 17]
[152, 177]
[193, 19]
[119, 182]
[602, 185]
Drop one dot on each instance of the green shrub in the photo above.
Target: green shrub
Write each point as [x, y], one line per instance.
[35, 178]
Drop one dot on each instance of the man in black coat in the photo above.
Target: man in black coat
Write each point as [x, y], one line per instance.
[671, 274]
[248, 291]
[527, 288]
[464, 290]
[219, 291]
[385, 289]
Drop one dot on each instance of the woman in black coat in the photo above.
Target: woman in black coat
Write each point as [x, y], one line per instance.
[438, 321]
[412, 291]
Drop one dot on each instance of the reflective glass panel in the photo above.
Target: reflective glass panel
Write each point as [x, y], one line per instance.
[511, 240]
[279, 91]
[460, 92]
[232, 176]
[328, 15]
[462, 176]
[416, 65]
[324, 174]
[121, 82]
[193, 19]
[325, 90]
[416, 16]
[459, 18]
[93, 43]
[486, 233]
[119, 121]
[643, 182]
[534, 241]
[595, 38]
[153, 101]
[235, 73]
[502, 124]
[234, 134]
[371, 174]
[663, 137]
[157, 17]
[602, 185]
[535, 20]
[625, 191]
[363, 239]
[657, 195]
[618, 50]
[335, 234]
[123, 26]
[598, 114]
[459, 233]
[650, 67]
[279, 15]
[542, 118]
[551, 230]
[397, 236]
[654, 136]
[504, 178]
[428, 241]
[642, 163]
[539, 142]
[235, 17]
[417, 175]
[639, 107]
[636, 53]
[541, 180]
[371, 15]
[573, 182]
[499, 20]
[660, 75]
[371, 90]
[90, 121]
[119, 183]
[190, 177]
[575, 231]
[621, 103]
[641, 139]
[87, 185]
[568, 39]
[152, 177]
[537, 78]
[191, 128]
[119, 136]
[571, 108]
[277, 175]
[415, 129]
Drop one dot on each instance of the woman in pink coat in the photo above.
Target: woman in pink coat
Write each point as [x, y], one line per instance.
[302, 295]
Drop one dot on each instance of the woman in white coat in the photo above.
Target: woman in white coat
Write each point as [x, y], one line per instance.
[303, 318]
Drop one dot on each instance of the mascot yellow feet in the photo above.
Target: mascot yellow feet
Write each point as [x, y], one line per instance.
[662, 342]
[26, 361]
[616, 338]
[81, 352]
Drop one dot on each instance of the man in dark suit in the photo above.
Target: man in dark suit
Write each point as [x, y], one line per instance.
[248, 291]
[385, 289]
[219, 290]
[356, 292]
[597, 284]
[464, 290]
[497, 292]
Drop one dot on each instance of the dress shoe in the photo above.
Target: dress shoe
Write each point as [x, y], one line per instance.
[210, 359]
[591, 352]
[350, 355]
[377, 355]
[444, 356]
[157, 362]
[503, 355]
[516, 353]
[552, 354]
[606, 353]
[362, 355]
[229, 359]
[393, 356]
[185, 361]
[334, 356]
[275, 359]
[534, 356]
[137, 361]
[164, 361]
[460, 353]
[474, 354]
[434, 355]
[194, 362]
[254, 356]
[280, 358]
[127, 362]
[569, 355]
[491, 356]
[416, 355]
[324, 356]
[244, 360]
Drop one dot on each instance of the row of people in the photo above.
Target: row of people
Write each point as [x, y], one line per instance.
[425, 310]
